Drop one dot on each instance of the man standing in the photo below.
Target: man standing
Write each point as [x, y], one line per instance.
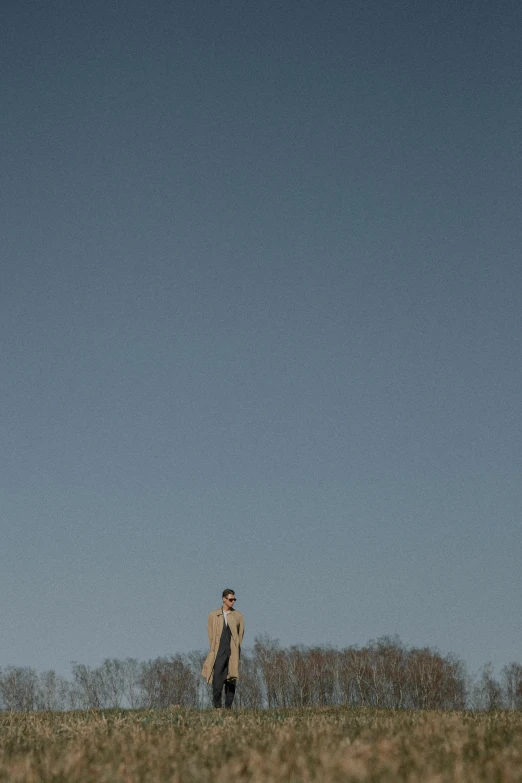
[225, 634]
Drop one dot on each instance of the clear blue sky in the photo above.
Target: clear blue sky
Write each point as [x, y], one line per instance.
[260, 325]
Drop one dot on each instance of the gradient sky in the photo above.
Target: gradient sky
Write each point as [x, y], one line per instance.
[260, 325]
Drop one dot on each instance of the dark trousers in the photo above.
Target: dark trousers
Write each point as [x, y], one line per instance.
[219, 678]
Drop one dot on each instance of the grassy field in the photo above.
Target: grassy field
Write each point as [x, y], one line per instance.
[294, 746]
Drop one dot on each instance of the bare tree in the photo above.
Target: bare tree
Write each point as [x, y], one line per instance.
[131, 683]
[487, 693]
[195, 661]
[19, 688]
[356, 677]
[112, 679]
[389, 672]
[434, 681]
[272, 664]
[300, 678]
[348, 691]
[512, 678]
[491, 689]
[88, 687]
[53, 692]
[168, 681]
[323, 663]
[250, 689]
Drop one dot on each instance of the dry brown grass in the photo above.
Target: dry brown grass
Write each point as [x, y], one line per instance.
[293, 746]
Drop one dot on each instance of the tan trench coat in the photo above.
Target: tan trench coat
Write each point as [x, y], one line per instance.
[215, 628]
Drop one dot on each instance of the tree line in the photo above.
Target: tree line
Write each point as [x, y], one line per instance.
[384, 673]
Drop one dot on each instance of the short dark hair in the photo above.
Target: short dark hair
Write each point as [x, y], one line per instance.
[227, 592]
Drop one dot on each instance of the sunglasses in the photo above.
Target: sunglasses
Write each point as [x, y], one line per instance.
[231, 599]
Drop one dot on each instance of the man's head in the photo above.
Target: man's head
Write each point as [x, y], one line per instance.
[229, 599]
